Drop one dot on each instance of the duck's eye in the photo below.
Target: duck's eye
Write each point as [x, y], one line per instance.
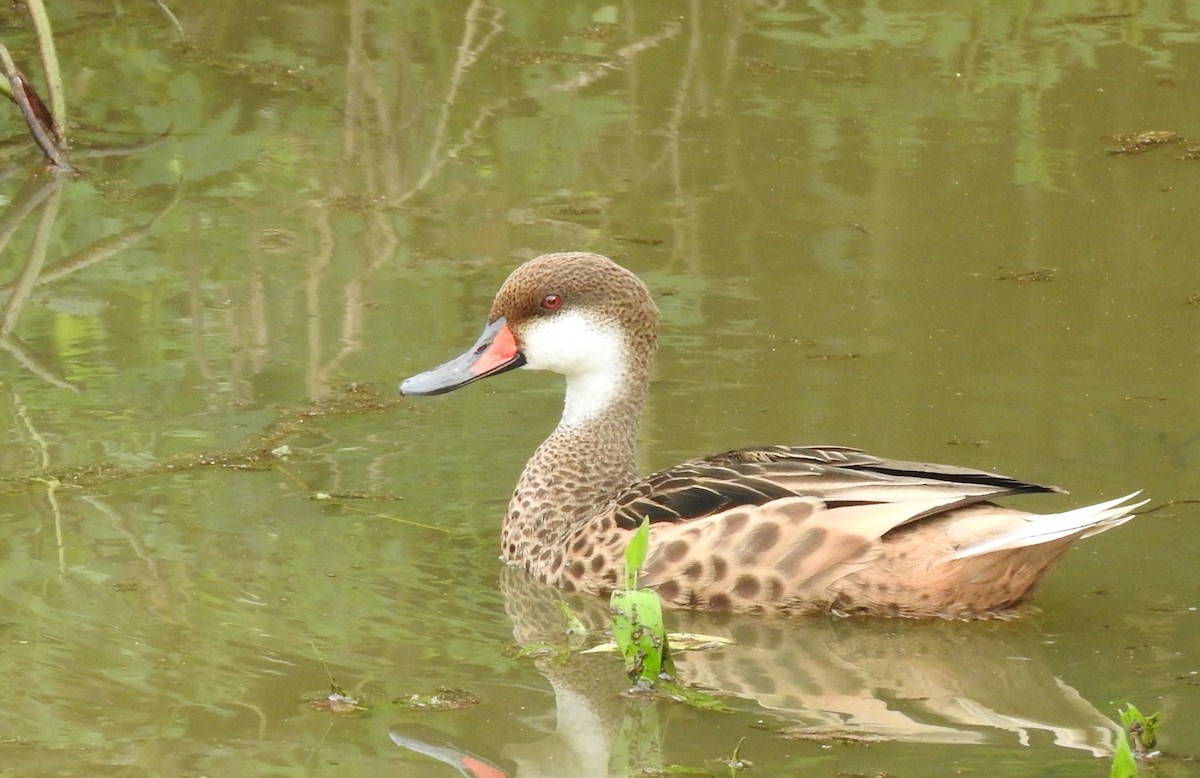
[552, 302]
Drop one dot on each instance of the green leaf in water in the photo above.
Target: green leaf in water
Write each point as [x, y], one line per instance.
[1142, 730]
[1130, 715]
[1150, 731]
[637, 622]
[1123, 765]
[635, 553]
[639, 633]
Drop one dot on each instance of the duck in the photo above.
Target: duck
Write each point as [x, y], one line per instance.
[786, 529]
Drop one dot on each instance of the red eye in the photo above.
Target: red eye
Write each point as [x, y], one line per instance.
[551, 302]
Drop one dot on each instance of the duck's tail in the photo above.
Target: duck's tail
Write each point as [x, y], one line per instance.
[1078, 523]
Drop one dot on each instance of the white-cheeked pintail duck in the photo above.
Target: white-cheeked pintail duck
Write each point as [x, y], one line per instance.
[779, 528]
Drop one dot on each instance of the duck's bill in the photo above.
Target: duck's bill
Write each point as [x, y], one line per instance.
[495, 352]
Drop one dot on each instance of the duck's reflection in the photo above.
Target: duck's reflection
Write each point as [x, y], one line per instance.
[929, 682]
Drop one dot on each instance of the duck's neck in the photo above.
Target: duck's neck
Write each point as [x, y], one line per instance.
[576, 471]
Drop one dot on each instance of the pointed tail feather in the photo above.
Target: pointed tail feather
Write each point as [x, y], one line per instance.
[1084, 522]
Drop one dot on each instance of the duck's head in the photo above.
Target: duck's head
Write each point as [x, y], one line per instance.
[578, 314]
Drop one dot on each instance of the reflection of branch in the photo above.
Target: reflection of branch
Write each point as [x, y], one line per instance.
[122, 151]
[96, 251]
[21, 411]
[100, 250]
[319, 369]
[625, 53]
[32, 275]
[30, 197]
[174, 19]
[121, 524]
[686, 211]
[33, 267]
[468, 53]
[24, 287]
[31, 364]
[437, 160]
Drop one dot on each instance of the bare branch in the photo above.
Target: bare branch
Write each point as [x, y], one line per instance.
[42, 134]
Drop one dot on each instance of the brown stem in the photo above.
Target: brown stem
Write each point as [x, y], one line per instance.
[36, 118]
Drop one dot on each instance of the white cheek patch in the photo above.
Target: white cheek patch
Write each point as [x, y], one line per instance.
[589, 352]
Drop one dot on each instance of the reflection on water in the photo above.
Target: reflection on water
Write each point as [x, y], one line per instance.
[823, 679]
[892, 227]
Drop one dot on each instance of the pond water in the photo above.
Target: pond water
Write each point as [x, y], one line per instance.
[895, 226]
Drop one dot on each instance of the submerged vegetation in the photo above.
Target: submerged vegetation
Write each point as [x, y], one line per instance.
[268, 451]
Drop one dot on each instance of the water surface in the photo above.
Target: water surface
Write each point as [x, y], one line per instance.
[900, 228]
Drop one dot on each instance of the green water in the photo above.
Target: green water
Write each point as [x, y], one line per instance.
[898, 227]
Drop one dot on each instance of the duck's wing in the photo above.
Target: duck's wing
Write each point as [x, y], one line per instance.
[835, 474]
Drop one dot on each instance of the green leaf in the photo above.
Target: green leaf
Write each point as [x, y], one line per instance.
[635, 553]
[639, 633]
[1141, 730]
[1123, 765]
[1130, 716]
[1150, 731]
[637, 622]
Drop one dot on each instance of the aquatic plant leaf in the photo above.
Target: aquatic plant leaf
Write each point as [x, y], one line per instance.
[635, 553]
[637, 622]
[1130, 715]
[1141, 730]
[1150, 733]
[639, 633]
[1123, 765]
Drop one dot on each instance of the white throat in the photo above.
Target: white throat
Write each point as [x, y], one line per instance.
[590, 352]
